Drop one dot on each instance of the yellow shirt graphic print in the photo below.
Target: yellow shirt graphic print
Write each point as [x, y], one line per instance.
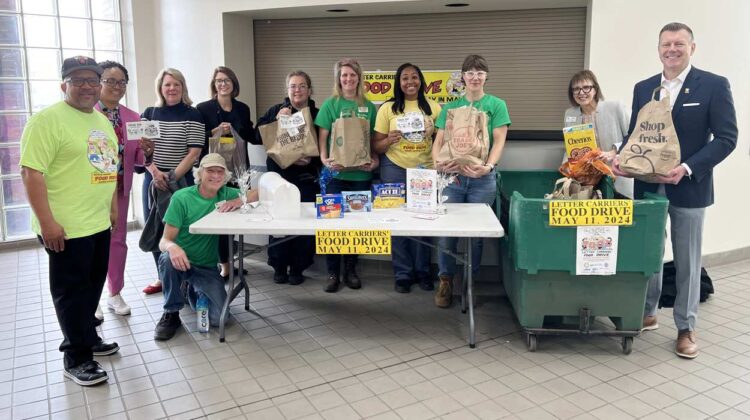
[102, 155]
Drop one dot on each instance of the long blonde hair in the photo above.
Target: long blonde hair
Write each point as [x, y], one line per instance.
[160, 101]
[354, 65]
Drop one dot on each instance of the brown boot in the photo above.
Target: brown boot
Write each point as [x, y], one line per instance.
[687, 346]
[650, 323]
[444, 294]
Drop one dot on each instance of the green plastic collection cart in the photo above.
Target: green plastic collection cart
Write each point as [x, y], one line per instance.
[539, 264]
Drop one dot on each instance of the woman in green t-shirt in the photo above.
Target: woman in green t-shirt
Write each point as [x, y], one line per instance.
[403, 150]
[474, 183]
[348, 99]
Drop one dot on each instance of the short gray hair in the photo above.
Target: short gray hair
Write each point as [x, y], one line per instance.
[198, 172]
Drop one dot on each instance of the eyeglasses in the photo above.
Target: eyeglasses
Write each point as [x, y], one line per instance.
[473, 74]
[300, 87]
[223, 81]
[78, 81]
[122, 84]
[585, 89]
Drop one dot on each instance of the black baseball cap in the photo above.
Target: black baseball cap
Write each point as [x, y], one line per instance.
[80, 62]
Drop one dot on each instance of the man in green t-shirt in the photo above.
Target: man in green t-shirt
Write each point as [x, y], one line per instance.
[69, 168]
[191, 258]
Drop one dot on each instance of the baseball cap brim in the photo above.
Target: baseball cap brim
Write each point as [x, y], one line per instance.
[95, 69]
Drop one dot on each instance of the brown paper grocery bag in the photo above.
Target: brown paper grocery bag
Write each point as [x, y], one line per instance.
[465, 139]
[290, 139]
[653, 148]
[570, 189]
[350, 142]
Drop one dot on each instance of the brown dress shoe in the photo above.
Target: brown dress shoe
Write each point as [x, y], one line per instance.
[687, 346]
[444, 294]
[650, 323]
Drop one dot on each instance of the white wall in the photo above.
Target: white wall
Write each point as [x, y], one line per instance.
[622, 34]
[623, 51]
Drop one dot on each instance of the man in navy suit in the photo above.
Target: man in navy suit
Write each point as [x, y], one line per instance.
[704, 118]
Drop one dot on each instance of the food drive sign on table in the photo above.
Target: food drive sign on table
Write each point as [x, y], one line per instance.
[441, 86]
[353, 241]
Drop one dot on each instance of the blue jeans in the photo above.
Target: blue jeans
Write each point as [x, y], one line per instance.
[466, 190]
[335, 186]
[411, 259]
[204, 280]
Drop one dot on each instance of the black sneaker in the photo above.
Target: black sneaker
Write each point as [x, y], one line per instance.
[87, 373]
[426, 283]
[167, 326]
[332, 286]
[296, 278]
[402, 286]
[105, 349]
[351, 278]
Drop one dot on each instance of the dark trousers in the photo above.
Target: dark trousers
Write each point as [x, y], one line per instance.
[224, 239]
[297, 253]
[76, 279]
[333, 262]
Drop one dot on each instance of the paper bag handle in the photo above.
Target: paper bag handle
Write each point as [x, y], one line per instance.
[660, 87]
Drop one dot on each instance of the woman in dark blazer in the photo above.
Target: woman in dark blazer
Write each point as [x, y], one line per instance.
[221, 114]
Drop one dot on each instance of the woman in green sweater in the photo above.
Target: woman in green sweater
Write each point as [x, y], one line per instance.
[348, 100]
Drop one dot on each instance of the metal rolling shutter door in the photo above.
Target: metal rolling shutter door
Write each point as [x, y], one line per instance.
[531, 53]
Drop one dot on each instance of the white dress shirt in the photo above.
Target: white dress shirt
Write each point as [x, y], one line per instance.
[673, 87]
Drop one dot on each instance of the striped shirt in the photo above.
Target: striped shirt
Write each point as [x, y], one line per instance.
[180, 127]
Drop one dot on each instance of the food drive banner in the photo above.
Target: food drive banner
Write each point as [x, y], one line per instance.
[441, 86]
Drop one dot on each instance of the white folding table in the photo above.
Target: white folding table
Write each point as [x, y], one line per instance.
[462, 220]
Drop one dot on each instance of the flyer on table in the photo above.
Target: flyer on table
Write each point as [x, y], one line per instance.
[421, 190]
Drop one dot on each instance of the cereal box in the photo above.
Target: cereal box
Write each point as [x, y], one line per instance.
[329, 206]
[387, 196]
[357, 201]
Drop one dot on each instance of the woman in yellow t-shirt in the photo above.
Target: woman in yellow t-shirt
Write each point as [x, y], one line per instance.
[404, 129]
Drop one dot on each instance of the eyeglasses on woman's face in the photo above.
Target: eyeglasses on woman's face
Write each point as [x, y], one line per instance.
[472, 74]
[122, 84]
[301, 86]
[584, 89]
[220, 82]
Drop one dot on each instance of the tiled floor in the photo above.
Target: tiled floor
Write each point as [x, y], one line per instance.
[364, 354]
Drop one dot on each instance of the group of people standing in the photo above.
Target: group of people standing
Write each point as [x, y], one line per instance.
[78, 165]
[395, 152]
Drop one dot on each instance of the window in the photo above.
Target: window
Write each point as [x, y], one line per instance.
[35, 36]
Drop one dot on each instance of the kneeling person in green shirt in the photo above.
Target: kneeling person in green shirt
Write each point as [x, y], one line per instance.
[193, 258]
